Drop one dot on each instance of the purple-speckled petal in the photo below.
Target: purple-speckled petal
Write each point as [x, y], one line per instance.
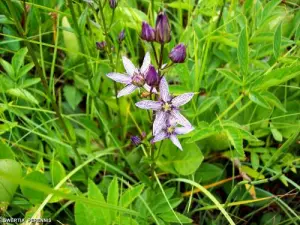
[121, 78]
[183, 130]
[175, 141]
[164, 90]
[146, 63]
[159, 122]
[127, 90]
[148, 88]
[128, 65]
[182, 99]
[180, 119]
[160, 136]
[148, 104]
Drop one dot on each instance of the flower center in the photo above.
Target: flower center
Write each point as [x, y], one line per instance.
[167, 107]
[138, 79]
[170, 130]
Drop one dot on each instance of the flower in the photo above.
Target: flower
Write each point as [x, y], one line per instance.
[135, 140]
[170, 131]
[100, 45]
[113, 4]
[162, 28]
[148, 33]
[178, 53]
[135, 77]
[167, 107]
[152, 77]
[121, 36]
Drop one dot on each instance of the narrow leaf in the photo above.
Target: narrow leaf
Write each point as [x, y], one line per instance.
[277, 41]
[242, 51]
[231, 76]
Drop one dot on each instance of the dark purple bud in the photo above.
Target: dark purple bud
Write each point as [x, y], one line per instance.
[152, 77]
[178, 53]
[148, 33]
[162, 28]
[135, 140]
[113, 4]
[121, 36]
[100, 45]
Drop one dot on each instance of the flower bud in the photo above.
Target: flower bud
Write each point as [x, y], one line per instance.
[152, 78]
[178, 53]
[101, 45]
[162, 28]
[113, 4]
[121, 36]
[148, 33]
[135, 140]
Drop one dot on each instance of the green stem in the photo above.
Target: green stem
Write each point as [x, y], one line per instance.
[45, 84]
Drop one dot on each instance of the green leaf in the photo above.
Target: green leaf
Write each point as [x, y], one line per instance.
[254, 160]
[7, 126]
[279, 76]
[258, 99]
[242, 51]
[207, 104]
[171, 218]
[57, 172]
[202, 134]
[179, 5]
[231, 76]
[29, 82]
[272, 99]
[6, 152]
[130, 195]
[24, 70]
[8, 68]
[183, 162]
[113, 196]
[18, 59]
[276, 134]
[208, 172]
[23, 94]
[72, 95]
[277, 41]
[9, 168]
[236, 140]
[33, 195]
[252, 173]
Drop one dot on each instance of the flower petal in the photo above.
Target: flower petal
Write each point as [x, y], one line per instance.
[127, 90]
[148, 104]
[148, 88]
[183, 130]
[160, 136]
[121, 78]
[182, 99]
[128, 65]
[180, 119]
[175, 141]
[146, 63]
[159, 122]
[164, 90]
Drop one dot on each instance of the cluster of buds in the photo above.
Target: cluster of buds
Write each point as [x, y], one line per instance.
[162, 35]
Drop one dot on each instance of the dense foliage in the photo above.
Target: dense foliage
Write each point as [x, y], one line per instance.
[201, 127]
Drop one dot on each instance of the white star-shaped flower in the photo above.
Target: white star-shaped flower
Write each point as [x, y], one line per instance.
[166, 107]
[134, 77]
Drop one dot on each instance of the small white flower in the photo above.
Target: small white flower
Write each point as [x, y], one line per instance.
[167, 107]
[134, 77]
[170, 130]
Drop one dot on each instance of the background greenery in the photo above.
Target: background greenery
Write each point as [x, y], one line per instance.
[65, 150]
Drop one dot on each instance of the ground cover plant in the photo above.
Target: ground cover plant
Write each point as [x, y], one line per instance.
[149, 112]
